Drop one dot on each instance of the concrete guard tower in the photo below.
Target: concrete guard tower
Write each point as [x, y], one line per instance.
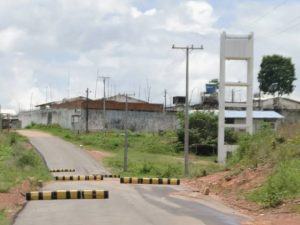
[234, 47]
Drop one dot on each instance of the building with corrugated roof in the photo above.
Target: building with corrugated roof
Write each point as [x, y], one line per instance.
[101, 114]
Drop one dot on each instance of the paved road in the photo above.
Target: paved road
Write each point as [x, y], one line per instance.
[127, 205]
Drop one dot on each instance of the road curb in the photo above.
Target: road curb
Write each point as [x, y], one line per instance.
[111, 176]
[79, 177]
[61, 170]
[67, 194]
[136, 180]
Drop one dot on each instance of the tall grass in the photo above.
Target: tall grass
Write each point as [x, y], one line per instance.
[3, 219]
[282, 153]
[150, 154]
[18, 163]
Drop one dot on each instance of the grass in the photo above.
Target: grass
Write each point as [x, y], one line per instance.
[18, 162]
[149, 154]
[3, 219]
[279, 151]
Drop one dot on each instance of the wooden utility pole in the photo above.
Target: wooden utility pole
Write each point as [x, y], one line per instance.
[165, 96]
[187, 49]
[126, 135]
[87, 112]
[104, 97]
[0, 120]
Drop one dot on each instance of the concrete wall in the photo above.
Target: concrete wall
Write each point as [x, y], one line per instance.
[257, 123]
[137, 120]
[35, 116]
[75, 119]
[290, 116]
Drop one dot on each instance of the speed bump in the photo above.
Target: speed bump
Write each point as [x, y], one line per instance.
[79, 177]
[61, 170]
[136, 180]
[111, 176]
[67, 194]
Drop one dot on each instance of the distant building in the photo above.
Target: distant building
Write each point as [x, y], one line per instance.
[74, 112]
[9, 119]
[122, 98]
[289, 108]
[239, 117]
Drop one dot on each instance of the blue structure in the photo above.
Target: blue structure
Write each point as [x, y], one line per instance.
[211, 88]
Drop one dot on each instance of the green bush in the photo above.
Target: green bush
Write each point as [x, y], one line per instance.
[203, 132]
[146, 168]
[27, 158]
[284, 183]
[265, 147]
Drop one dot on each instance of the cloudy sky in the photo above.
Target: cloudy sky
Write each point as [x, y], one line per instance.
[51, 45]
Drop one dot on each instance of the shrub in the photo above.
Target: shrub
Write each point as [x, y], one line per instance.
[204, 132]
[27, 158]
[146, 168]
[254, 149]
[283, 183]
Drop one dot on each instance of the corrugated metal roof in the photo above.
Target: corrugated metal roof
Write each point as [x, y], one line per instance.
[242, 114]
[256, 114]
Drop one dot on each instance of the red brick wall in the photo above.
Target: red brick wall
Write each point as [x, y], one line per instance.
[110, 105]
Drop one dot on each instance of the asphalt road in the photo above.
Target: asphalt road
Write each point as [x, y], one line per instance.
[127, 204]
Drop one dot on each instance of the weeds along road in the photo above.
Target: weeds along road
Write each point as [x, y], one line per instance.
[127, 204]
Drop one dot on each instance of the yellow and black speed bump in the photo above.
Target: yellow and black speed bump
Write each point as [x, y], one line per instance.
[79, 177]
[111, 176]
[62, 170]
[136, 180]
[67, 194]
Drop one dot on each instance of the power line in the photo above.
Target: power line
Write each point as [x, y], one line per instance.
[282, 30]
[287, 28]
[267, 13]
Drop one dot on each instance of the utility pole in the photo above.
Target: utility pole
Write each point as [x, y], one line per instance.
[0, 120]
[97, 79]
[165, 96]
[232, 95]
[104, 97]
[187, 49]
[126, 134]
[87, 111]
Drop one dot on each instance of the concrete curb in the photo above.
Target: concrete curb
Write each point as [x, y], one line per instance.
[61, 170]
[136, 180]
[67, 194]
[79, 177]
[111, 176]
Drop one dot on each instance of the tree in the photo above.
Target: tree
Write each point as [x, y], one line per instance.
[277, 74]
[203, 131]
[215, 81]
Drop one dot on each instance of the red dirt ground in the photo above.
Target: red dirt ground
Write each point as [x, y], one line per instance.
[231, 191]
[14, 199]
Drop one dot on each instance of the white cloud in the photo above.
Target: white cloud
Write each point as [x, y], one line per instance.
[9, 37]
[150, 12]
[135, 12]
[42, 42]
[192, 16]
